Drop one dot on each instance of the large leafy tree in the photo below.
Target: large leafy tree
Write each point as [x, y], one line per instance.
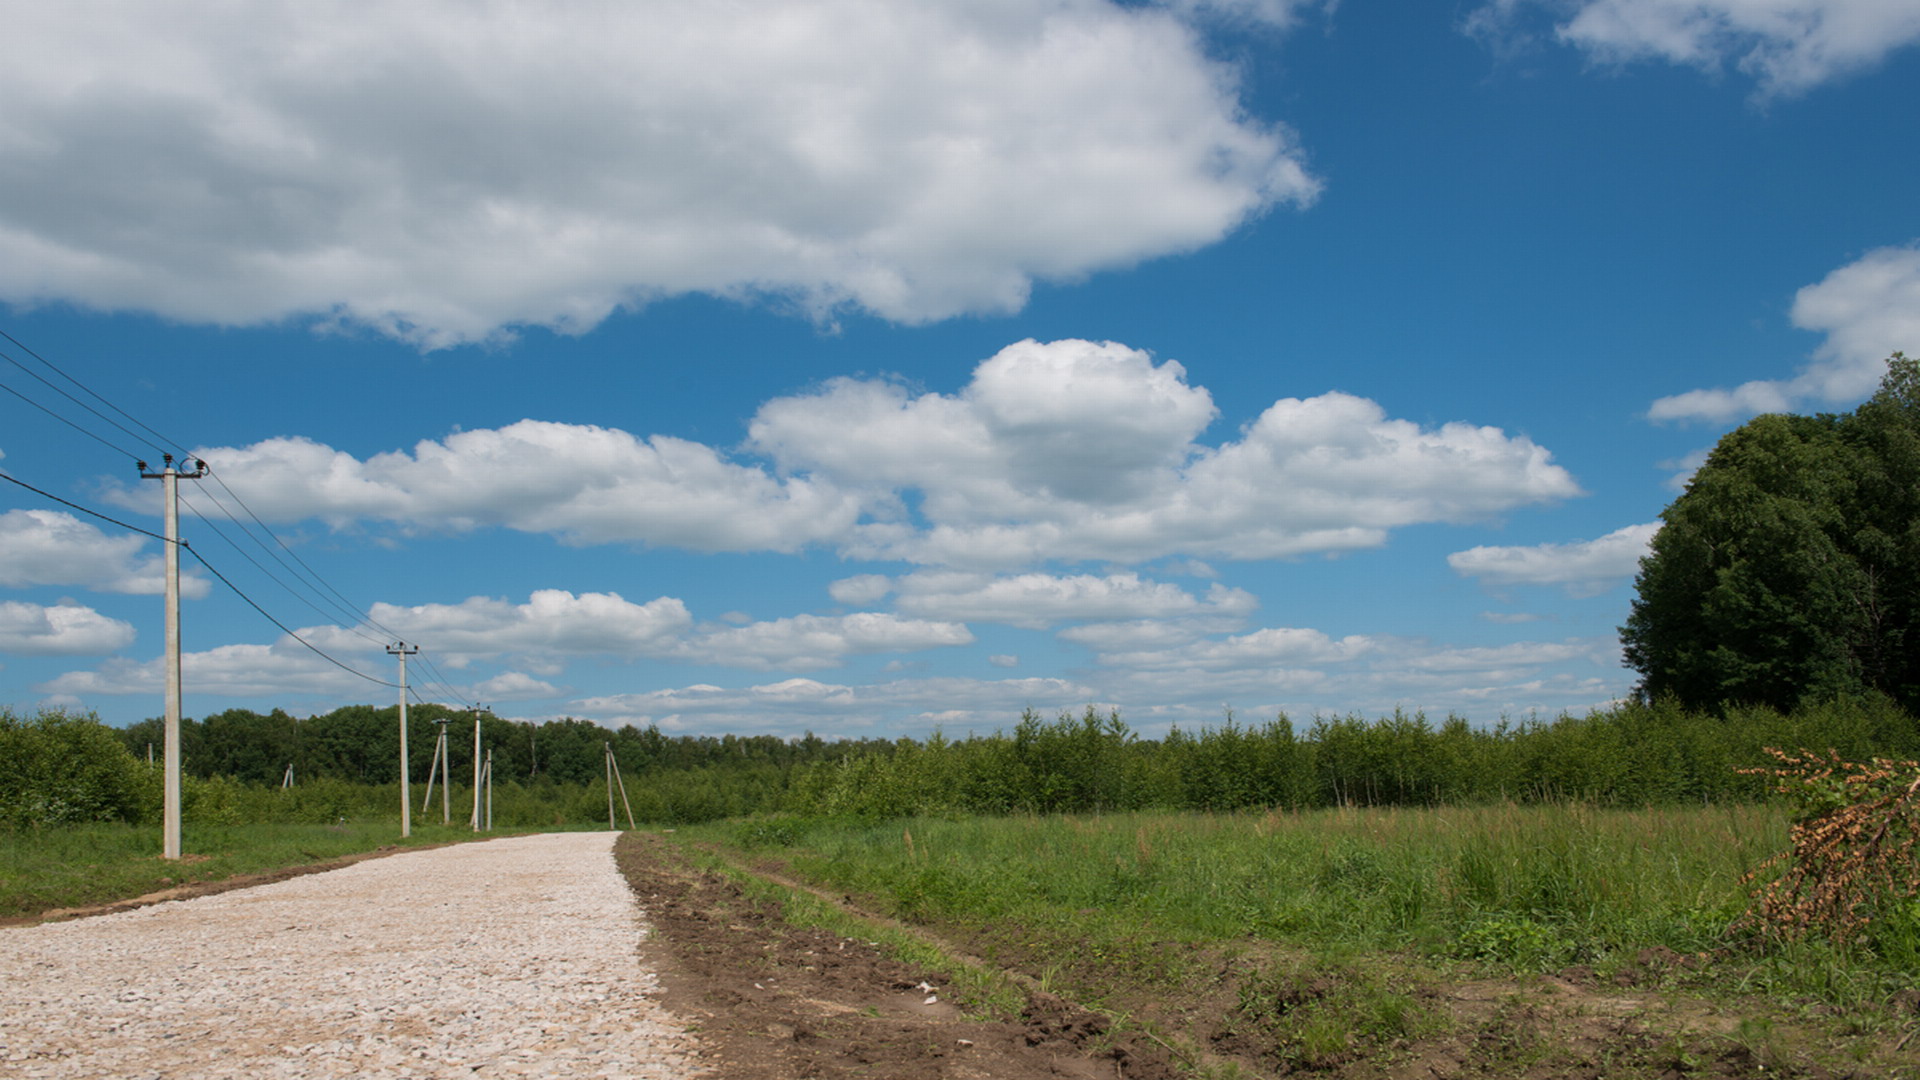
[1789, 570]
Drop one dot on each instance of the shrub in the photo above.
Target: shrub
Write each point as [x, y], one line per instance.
[58, 768]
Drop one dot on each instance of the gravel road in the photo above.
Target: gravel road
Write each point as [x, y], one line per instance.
[505, 958]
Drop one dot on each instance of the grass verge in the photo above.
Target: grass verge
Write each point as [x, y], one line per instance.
[1496, 941]
[44, 870]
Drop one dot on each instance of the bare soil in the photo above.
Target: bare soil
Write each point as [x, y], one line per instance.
[773, 1001]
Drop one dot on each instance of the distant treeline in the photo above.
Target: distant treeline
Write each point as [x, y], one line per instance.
[1631, 755]
[56, 767]
[361, 744]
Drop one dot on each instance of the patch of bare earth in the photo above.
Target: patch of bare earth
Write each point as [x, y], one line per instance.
[773, 1001]
[782, 1002]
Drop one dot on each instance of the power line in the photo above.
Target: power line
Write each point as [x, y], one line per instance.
[364, 620]
[317, 651]
[310, 579]
[271, 576]
[202, 559]
[49, 385]
[102, 440]
[82, 509]
[55, 368]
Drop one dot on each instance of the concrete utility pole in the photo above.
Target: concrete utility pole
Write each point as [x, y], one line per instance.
[170, 482]
[441, 764]
[476, 765]
[402, 650]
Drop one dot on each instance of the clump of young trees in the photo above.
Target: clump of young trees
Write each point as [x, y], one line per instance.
[1789, 570]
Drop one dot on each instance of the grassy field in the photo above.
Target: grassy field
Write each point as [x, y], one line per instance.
[79, 865]
[1351, 940]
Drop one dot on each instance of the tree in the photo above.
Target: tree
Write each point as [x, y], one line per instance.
[1786, 571]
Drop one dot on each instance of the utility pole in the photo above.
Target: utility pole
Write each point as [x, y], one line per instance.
[170, 482]
[476, 765]
[402, 650]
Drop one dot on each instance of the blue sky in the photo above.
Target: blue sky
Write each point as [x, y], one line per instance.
[870, 368]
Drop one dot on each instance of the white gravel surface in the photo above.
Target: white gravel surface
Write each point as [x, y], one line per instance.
[504, 958]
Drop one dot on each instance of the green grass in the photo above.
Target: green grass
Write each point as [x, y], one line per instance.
[77, 865]
[1291, 941]
[1531, 887]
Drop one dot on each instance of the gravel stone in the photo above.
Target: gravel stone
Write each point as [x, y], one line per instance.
[515, 957]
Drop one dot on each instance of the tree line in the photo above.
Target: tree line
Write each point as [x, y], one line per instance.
[361, 744]
[56, 768]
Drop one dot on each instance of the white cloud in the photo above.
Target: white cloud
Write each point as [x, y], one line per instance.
[803, 642]
[553, 622]
[1511, 618]
[1869, 309]
[861, 589]
[1296, 670]
[50, 547]
[1685, 466]
[1069, 450]
[61, 630]
[853, 711]
[514, 686]
[583, 483]
[1585, 567]
[272, 671]
[1037, 601]
[442, 170]
[1007, 660]
[1072, 450]
[1787, 46]
[1273, 646]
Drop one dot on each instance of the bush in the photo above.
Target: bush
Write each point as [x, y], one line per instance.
[58, 768]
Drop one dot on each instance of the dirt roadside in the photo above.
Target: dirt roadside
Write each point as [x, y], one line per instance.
[772, 1001]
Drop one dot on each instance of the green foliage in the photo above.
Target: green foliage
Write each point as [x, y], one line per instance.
[57, 768]
[1789, 570]
[1633, 755]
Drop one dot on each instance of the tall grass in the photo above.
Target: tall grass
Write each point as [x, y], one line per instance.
[1529, 886]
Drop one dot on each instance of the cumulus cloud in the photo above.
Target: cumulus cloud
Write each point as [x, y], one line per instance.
[834, 709]
[1868, 309]
[805, 642]
[583, 483]
[1068, 450]
[61, 630]
[1076, 450]
[440, 171]
[1297, 670]
[553, 622]
[50, 547]
[1584, 568]
[514, 686]
[1786, 46]
[1037, 601]
[282, 668]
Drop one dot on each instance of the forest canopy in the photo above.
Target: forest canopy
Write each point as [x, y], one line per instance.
[1788, 572]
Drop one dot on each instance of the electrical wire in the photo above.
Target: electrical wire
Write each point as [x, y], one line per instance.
[55, 368]
[224, 580]
[364, 620]
[102, 440]
[317, 651]
[271, 576]
[311, 579]
[84, 510]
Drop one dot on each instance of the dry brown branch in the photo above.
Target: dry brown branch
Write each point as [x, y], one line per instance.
[1852, 847]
